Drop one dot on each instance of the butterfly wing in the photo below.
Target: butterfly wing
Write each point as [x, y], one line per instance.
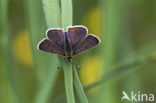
[48, 46]
[76, 34]
[57, 37]
[89, 42]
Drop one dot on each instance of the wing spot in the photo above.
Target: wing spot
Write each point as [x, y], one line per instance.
[75, 29]
[55, 31]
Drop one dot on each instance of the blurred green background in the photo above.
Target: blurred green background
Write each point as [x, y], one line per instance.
[124, 61]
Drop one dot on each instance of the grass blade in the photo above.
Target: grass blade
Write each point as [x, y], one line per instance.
[67, 15]
[112, 34]
[45, 64]
[66, 8]
[52, 12]
[46, 88]
[10, 89]
[68, 75]
[79, 89]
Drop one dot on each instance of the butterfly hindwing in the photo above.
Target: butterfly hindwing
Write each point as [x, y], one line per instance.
[57, 37]
[89, 42]
[69, 43]
[76, 34]
[47, 46]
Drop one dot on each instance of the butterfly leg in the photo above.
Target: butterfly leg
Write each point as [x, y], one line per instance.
[68, 58]
[59, 67]
[77, 66]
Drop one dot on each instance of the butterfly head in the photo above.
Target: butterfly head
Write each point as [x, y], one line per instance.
[69, 56]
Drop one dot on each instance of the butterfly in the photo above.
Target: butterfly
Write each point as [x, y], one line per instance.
[68, 43]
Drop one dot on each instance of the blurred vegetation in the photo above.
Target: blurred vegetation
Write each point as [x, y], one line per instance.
[125, 59]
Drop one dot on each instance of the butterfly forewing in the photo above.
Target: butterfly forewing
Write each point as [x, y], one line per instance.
[89, 42]
[69, 43]
[76, 34]
[57, 37]
[47, 46]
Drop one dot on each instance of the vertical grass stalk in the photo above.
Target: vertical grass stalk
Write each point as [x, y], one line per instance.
[49, 63]
[67, 15]
[52, 10]
[78, 87]
[68, 75]
[11, 92]
[4, 34]
[113, 13]
[46, 88]
[66, 10]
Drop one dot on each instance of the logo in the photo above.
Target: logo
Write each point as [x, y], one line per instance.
[140, 97]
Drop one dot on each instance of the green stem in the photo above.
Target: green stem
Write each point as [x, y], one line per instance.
[10, 86]
[43, 94]
[68, 75]
[67, 15]
[117, 71]
[66, 11]
[52, 11]
[79, 89]
[113, 15]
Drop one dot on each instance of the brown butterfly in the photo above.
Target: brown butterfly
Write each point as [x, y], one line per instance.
[68, 43]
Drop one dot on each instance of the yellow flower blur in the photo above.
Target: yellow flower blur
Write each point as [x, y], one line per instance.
[91, 71]
[92, 20]
[21, 48]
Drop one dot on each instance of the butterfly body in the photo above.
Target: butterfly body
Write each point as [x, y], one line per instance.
[68, 43]
[68, 48]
